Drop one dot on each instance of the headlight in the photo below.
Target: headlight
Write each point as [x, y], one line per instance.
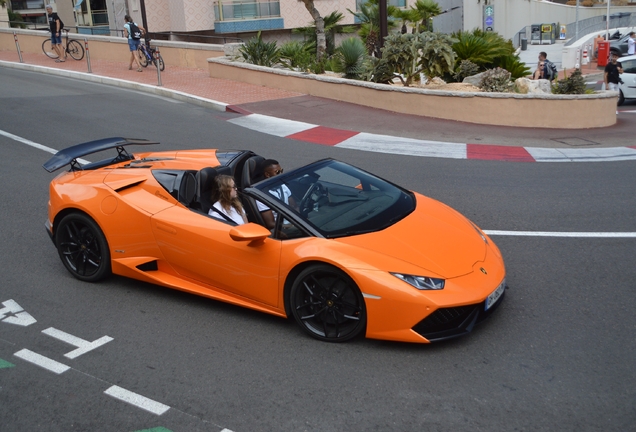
[421, 282]
[481, 234]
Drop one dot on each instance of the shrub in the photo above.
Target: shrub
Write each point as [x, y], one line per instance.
[466, 68]
[349, 58]
[296, 55]
[260, 53]
[574, 84]
[496, 80]
[376, 70]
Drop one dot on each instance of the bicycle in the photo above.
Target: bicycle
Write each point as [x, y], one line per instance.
[72, 48]
[147, 55]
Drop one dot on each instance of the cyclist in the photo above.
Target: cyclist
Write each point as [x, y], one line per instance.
[133, 42]
[56, 34]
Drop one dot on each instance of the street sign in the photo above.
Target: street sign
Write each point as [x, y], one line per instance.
[489, 18]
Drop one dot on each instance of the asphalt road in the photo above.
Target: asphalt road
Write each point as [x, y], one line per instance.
[559, 354]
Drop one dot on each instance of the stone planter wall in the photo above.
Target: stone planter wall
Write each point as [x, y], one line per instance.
[501, 109]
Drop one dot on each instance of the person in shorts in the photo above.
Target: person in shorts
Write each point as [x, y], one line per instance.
[55, 24]
[133, 44]
[612, 73]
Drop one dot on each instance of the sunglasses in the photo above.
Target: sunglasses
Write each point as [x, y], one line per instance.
[279, 171]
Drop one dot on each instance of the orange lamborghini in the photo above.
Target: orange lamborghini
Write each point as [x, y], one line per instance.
[353, 255]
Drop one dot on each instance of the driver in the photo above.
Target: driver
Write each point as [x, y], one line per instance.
[271, 168]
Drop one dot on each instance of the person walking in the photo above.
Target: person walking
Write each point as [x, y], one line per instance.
[133, 32]
[612, 73]
[55, 24]
[631, 44]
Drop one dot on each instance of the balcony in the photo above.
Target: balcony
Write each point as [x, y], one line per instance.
[247, 16]
[24, 5]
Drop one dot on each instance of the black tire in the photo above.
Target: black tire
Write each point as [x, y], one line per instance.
[621, 98]
[327, 304]
[75, 49]
[143, 60]
[162, 66]
[47, 48]
[82, 247]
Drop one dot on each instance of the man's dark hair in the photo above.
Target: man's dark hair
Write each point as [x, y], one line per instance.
[268, 163]
[544, 54]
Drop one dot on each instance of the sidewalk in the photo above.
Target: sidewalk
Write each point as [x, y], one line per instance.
[334, 123]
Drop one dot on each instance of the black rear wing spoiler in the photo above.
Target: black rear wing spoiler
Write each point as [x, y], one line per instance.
[70, 155]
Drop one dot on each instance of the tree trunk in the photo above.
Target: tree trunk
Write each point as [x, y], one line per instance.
[321, 40]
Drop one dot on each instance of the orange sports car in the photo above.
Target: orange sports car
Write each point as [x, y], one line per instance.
[350, 253]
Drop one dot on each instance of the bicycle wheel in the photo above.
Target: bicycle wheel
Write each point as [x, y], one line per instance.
[143, 60]
[162, 66]
[47, 48]
[75, 49]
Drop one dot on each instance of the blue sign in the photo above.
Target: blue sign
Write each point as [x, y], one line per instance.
[489, 21]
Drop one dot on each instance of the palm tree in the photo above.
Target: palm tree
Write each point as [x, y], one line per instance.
[369, 16]
[426, 9]
[321, 41]
[332, 28]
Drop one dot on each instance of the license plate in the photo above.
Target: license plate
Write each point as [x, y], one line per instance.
[494, 296]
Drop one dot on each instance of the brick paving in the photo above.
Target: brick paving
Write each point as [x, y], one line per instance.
[192, 81]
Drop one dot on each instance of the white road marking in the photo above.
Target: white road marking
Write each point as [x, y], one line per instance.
[20, 317]
[271, 125]
[82, 345]
[563, 234]
[35, 145]
[40, 360]
[137, 400]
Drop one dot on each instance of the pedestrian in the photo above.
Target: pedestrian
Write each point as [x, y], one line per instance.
[538, 73]
[549, 69]
[631, 44]
[612, 71]
[133, 32]
[55, 25]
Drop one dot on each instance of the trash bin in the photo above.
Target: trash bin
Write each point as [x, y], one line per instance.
[546, 33]
[524, 44]
[603, 53]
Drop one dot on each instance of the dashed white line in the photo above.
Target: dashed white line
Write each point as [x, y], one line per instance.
[43, 362]
[137, 400]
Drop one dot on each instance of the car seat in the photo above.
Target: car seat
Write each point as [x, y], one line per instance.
[188, 189]
[206, 186]
[252, 171]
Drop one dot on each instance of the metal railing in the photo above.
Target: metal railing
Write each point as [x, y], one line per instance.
[243, 10]
[194, 38]
[26, 5]
[599, 23]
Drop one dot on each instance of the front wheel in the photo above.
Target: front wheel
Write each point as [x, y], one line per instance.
[82, 247]
[621, 98]
[47, 48]
[75, 49]
[327, 304]
[141, 54]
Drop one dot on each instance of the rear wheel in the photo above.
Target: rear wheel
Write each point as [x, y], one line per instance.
[327, 304]
[162, 66]
[75, 49]
[47, 48]
[143, 60]
[82, 247]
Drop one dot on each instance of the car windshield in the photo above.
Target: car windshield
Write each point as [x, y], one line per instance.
[338, 199]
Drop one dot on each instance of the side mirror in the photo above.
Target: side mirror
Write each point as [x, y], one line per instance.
[250, 232]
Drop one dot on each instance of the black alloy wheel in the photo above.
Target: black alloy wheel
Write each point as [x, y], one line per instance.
[82, 247]
[327, 304]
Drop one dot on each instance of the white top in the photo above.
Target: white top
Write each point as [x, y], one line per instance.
[282, 193]
[233, 214]
[631, 45]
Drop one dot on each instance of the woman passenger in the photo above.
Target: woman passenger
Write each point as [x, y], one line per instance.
[226, 201]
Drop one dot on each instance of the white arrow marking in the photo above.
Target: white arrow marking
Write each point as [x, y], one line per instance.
[20, 317]
[82, 345]
[42, 361]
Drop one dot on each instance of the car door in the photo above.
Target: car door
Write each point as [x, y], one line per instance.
[629, 79]
[200, 247]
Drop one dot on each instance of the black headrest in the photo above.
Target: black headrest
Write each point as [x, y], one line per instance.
[206, 179]
[253, 171]
[188, 188]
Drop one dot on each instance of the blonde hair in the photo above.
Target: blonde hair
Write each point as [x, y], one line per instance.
[223, 194]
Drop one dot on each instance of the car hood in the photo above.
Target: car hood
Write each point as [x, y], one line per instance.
[434, 237]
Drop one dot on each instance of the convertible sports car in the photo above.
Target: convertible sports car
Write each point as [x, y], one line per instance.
[354, 255]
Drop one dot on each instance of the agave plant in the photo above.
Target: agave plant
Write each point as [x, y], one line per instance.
[349, 58]
[258, 52]
[297, 55]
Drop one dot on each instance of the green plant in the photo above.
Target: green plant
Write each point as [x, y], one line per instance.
[297, 55]
[466, 68]
[369, 16]
[514, 65]
[437, 57]
[573, 84]
[260, 53]
[332, 28]
[426, 10]
[16, 19]
[496, 80]
[376, 70]
[349, 58]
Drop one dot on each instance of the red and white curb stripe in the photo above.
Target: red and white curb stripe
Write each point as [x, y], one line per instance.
[413, 147]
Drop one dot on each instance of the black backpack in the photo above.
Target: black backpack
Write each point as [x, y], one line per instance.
[61, 23]
[135, 33]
